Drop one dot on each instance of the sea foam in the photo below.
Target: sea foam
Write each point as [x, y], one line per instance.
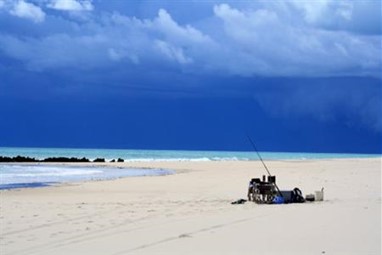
[14, 175]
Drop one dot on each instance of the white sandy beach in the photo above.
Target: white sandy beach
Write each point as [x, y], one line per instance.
[190, 212]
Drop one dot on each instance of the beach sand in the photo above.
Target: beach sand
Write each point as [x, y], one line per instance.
[190, 212]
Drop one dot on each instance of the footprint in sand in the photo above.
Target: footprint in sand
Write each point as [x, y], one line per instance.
[185, 236]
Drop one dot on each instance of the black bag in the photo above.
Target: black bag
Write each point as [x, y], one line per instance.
[297, 196]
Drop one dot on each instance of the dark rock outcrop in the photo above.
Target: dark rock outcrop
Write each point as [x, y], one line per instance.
[22, 159]
[97, 160]
[17, 159]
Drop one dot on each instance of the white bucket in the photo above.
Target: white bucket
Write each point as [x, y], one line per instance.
[319, 195]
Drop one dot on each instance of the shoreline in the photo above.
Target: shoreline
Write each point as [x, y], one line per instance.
[42, 174]
[140, 165]
[189, 212]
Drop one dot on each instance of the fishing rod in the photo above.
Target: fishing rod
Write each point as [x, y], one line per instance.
[262, 161]
[258, 154]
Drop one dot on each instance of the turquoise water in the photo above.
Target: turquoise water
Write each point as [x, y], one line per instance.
[170, 155]
[35, 175]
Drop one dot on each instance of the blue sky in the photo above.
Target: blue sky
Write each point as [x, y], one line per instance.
[296, 75]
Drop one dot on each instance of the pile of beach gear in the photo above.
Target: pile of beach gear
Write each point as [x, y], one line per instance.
[265, 191]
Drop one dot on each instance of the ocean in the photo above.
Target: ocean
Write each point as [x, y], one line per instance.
[170, 155]
[36, 175]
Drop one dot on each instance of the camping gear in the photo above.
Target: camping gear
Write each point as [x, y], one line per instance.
[267, 192]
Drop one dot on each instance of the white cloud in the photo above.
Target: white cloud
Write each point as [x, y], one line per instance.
[246, 26]
[71, 5]
[160, 37]
[27, 10]
[313, 11]
[322, 11]
[172, 52]
[362, 17]
[259, 41]
[264, 41]
[173, 31]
